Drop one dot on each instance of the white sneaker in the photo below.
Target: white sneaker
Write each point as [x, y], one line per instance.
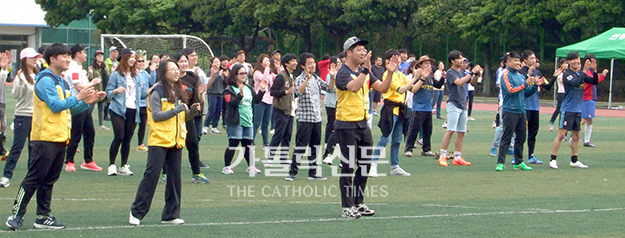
[133, 220]
[215, 131]
[176, 221]
[408, 153]
[112, 170]
[205, 130]
[494, 124]
[272, 132]
[373, 172]
[399, 171]
[553, 164]
[125, 170]
[578, 164]
[444, 125]
[328, 160]
[5, 182]
[227, 171]
[256, 170]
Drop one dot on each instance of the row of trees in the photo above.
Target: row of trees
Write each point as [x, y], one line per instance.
[482, 29]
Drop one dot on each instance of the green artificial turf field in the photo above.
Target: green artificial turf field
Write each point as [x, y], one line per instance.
[456, 201]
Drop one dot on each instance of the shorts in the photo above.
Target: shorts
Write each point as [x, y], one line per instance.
[240, 132]
[456, 118]
[570, 121]
[375, 96]
[588, 109]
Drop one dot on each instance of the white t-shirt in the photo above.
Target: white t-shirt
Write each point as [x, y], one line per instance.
[131, 93]
[409, 94]
[75, 74]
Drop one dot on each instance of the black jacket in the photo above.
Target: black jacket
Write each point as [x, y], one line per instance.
[232, 99]
[386, 116]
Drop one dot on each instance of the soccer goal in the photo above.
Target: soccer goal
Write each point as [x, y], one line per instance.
[148, 45]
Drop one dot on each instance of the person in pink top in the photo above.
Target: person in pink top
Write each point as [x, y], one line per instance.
[263, 109]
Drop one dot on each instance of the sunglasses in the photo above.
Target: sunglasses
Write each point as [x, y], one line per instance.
[243, 73]
[140, 61]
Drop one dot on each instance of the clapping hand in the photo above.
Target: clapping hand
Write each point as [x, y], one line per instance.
[367, 63]
[263, 85]
[605, 72]
[393, 64]
[334, 68]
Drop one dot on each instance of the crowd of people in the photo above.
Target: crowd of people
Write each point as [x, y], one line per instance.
[168, 98]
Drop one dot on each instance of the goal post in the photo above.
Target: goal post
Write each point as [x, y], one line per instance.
[158, 44]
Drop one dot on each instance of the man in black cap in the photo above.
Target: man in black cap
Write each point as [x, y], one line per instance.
[354, 135]
[82, 123]
[277, 56]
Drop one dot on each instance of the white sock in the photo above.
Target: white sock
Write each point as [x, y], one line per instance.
[443, 152]
[588, 133]
[457, 155]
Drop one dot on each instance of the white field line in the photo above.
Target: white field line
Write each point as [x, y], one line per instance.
[341, 219]
[193, 200]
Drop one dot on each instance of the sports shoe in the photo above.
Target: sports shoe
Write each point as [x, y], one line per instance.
[494, 124]
[176, 221]
[534, 160]
[202, 165]
[513, 161]
[328, 160]
[493, 151]
[205, 130]
[199, 178]
[133, 220]
[77, 150]
[103, 128]
[588, 144]
[112, 170]
[125, 170]
[142, 148]
[444, 125]
[550, 129]
[553, 164]
[500, 167]
[272, 131]
[521, 166]
[5, 156]
[227, 171]
[399, 171]
[91, 166]
[420, 142]
[364, 210]
[471, 119]
[215, 131]
[578, 164]
[14, 221]
[48, 222]
[373, 172]
[69, 167]
[5, 182]
[443, 161]
[164, 178]
[256, 170]
[428, 153]
[290, 177]
[461, 161]
[565, 138]
[408, 153]
[351, 212]
[315, 177]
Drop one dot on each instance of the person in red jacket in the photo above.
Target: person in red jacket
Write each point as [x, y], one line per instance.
[590, 98]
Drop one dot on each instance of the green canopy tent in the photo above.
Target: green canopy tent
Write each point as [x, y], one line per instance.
[607, 45]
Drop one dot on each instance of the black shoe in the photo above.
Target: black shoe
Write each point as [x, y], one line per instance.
[48, 223]
[14, 221]
[202, 165]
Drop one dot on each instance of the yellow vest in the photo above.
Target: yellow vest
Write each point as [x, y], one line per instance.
[169, 133]
[399, 80]
[47, 125]
[353, 107]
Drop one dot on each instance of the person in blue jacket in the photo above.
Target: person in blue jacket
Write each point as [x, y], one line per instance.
[515, 88]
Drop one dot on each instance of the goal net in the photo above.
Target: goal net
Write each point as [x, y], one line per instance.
[148, 45]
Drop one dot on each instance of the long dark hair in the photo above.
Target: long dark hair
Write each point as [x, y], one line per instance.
[95, 64]
[123, 65]
[232, 77]
[171, 93]
[26, 74]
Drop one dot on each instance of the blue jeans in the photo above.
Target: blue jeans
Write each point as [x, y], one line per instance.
[214, 110]
[262, 117]
[437, 99]
[21, 133]
[395, 137]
